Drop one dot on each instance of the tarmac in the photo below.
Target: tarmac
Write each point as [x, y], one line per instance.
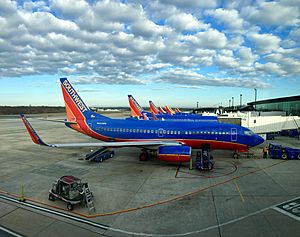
[132, 198]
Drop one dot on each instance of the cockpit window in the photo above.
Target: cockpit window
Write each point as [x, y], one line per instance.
[248, 132]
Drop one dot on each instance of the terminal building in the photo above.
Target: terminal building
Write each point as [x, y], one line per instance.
[290, 105]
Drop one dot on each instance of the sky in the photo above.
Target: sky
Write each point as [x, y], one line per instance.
[168, 51]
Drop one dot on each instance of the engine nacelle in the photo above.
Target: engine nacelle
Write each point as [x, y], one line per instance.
[174, 153]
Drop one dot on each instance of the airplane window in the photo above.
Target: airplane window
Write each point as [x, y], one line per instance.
[152, 131]
[168, 132]
[130, 130]
[156, 131]
[190, 132]
[201, 132]
[197, 132]
[164, 132]
[208, 132]
[145, 131]
[178, 132]
[148, 131]
[223, 132]
[248, 132]
[127, 130]
[185, 132]
[227, 133]
[212, 132]
[171, 132]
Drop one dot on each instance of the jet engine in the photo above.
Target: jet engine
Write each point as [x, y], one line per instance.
[174, 153]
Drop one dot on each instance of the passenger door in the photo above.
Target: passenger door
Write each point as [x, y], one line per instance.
[233, 134]
[161, 132]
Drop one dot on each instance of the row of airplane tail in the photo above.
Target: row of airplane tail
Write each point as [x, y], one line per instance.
[173, 139]
[159, 114]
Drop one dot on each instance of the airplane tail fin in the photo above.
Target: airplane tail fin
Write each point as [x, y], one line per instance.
[153, 108]
[75, 107]
[162, 110]
[136, 109]
[169, 110]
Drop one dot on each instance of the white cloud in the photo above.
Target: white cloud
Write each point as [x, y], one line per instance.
[192, 78]
[230, 18]
[130, 42]
[272, 14]
[270, 68]
[70, 8]
[246, 57]
[212, 39]
[264, 43]
[185, 22]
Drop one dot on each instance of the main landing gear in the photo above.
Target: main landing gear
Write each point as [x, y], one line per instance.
[144, 156]
[235, 155]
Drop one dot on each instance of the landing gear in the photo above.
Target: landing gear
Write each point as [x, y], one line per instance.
[204, 160]
[235, 155]
[144, 156]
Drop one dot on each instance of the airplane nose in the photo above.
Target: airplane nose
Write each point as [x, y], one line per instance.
[259, 140]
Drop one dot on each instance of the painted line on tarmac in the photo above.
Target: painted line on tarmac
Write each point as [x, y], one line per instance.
[2, 228]
[239, 190]
[161, 202]
[107, 228]
[202, 230]
[57, 213]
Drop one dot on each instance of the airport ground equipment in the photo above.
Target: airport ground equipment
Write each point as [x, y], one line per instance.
[100, 155]
[72, 191]
[204, 161]
[278, 151]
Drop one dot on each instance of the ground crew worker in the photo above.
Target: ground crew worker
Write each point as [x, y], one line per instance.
[265, 152]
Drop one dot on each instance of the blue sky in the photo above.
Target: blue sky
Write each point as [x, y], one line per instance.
[172, 52]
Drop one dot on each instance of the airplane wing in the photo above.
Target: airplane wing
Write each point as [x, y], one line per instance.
[142, 143]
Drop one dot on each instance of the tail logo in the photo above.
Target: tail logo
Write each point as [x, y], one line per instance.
[74, 96]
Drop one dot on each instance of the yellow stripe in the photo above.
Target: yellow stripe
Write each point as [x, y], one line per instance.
[238, 189]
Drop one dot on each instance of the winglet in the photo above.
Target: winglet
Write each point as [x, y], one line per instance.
[34, 136]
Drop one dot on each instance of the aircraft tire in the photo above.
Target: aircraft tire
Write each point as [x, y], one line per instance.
[143, 156]
[284, 156]
[51, 197]
[69, 206]
[298, 156]
[235, 155]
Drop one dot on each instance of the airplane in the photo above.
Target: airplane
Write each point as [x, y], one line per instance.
[173, 140]
[138, 112]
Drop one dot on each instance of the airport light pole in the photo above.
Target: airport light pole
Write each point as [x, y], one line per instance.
[229, 104]
[197, 104]
[232, 102]
[255, 96]
[241, 100]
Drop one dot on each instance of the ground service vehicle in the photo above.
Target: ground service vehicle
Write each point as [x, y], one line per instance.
[100, 155]
[204, 161]
[278, 151]
[70, 190]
